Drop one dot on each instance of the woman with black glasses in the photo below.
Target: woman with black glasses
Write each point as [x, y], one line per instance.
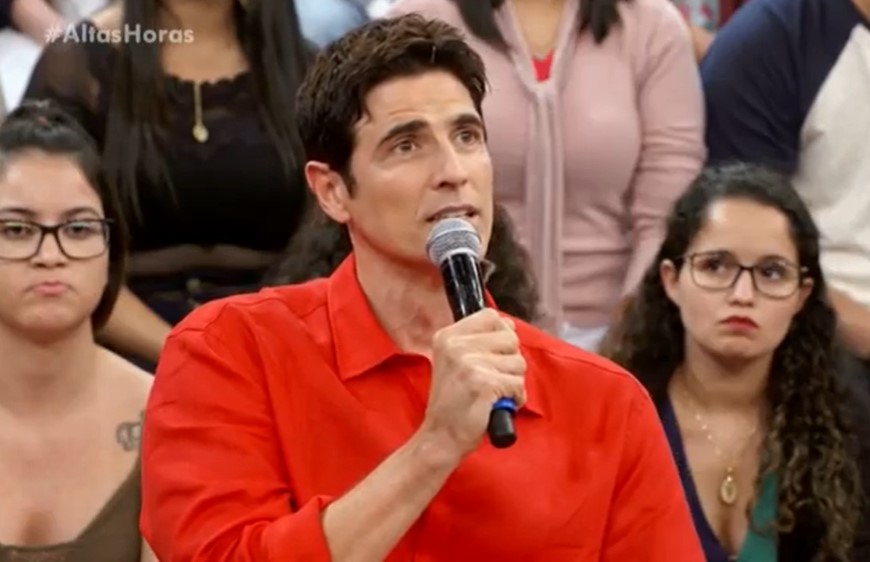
[70, 411]
[732, 334]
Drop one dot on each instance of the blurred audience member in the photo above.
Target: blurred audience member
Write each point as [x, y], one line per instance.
[324, 21]
[198, 134]
[787, 85]
[70, 411]
[732, 335]
[595, 124]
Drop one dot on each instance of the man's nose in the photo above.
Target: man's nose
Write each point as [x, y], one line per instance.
[452, 171]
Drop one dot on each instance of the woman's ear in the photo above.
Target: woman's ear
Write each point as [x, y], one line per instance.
[670, 278]
[804, 293]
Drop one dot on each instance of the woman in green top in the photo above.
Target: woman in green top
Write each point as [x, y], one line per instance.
[732, 334]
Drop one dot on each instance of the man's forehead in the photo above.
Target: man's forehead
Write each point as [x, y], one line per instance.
[430, 96]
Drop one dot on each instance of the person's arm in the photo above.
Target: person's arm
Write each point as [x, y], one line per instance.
[701, 40]
[853, 323]
[134, 328]
[672, 143]
[35, 18]
[649, 518]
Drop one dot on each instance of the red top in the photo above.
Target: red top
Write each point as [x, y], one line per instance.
[542, 67]
[266, 407]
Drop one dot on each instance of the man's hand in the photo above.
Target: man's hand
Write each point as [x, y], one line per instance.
[476, 361]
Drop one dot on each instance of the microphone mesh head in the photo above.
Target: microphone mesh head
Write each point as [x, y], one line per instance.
[452, 236]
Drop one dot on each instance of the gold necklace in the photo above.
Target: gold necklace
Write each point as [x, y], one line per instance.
[728, 489]
[200, 132]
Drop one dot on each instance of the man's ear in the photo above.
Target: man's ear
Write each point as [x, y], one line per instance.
[329, 189]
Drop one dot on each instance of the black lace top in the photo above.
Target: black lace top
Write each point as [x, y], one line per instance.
[229, 190]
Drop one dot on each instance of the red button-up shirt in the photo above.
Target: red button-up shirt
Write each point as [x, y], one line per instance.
[267, 407]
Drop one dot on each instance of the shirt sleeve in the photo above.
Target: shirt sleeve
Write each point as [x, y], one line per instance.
[214, 487]
[672, 143]
[750, 85]
[650, 518]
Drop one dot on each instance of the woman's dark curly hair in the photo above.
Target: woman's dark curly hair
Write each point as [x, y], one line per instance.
[322, 244]
[809, 444]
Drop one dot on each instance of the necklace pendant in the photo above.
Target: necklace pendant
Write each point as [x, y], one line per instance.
[728, 489]
[200, 133]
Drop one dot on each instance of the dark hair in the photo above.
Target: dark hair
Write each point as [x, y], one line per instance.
[331, 99]
[268, 31]
[43, 126]
[322, 244]
[810, 445]
[598, 16]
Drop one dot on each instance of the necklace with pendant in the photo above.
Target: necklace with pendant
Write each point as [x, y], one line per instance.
[200, 132]
[729, 491]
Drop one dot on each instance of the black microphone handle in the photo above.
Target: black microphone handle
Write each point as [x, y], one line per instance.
[463, 283]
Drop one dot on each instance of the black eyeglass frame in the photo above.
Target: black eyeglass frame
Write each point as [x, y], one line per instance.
[690, 260]
[54, 231]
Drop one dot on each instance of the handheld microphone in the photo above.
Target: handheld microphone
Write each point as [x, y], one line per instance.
[454, 246]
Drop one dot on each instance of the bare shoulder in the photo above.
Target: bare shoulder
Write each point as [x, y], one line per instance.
[127, 389]
[110, 18]
[135, 382]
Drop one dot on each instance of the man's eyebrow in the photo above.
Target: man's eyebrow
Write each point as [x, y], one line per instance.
[400, 129]
[468, 119]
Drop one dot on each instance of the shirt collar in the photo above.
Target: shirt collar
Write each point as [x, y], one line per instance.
[361, 343]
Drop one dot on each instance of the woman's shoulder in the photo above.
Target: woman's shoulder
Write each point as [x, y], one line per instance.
[132, 385]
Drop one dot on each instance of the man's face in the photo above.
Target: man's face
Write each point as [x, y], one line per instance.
[420, 155]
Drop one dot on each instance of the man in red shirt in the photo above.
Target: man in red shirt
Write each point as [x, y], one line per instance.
[343, 419]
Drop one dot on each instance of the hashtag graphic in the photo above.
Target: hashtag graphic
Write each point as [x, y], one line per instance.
[53, 33]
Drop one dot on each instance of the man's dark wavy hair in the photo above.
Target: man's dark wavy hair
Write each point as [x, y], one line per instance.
[331, 100]
[810, 444]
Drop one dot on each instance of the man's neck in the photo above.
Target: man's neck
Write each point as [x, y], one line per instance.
[409, 303]
[863, 7]
[41, 379]
[207, 19]
[717, 386]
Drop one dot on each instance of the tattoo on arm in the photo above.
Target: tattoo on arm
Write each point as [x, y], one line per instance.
[129, 434]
